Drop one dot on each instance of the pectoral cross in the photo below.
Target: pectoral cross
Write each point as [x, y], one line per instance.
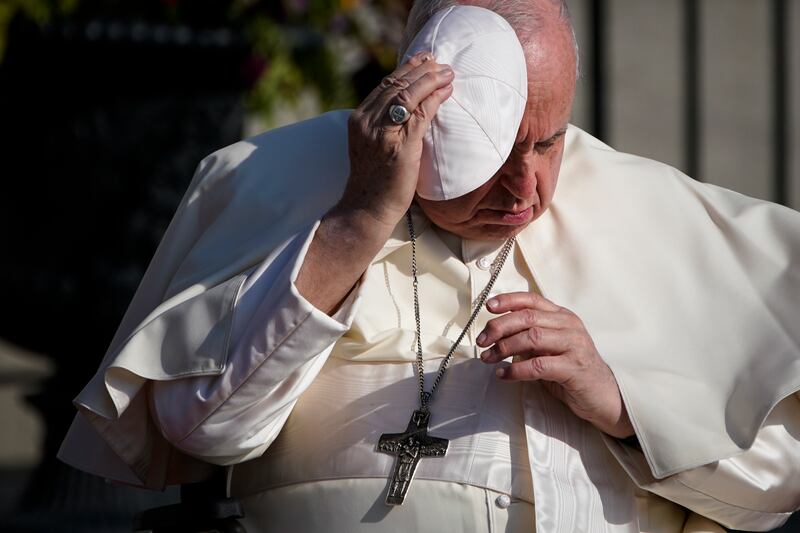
[409, 447]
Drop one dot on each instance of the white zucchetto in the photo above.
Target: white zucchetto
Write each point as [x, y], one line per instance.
[474, 130]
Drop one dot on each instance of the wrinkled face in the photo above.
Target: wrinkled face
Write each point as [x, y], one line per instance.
[524, 186]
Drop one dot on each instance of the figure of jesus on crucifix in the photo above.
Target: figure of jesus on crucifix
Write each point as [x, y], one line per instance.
[409, 447]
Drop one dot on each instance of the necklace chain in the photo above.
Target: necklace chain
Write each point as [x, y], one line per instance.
[426, 397]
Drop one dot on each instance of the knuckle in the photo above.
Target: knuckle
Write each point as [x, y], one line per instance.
[404, 97]
[534, 335]
[538, 365]
[530, 316]
[400, 83]
[422, 112]
[427, 67]
[501, 347]
[582, 356]
[430, 76]
[583, 342]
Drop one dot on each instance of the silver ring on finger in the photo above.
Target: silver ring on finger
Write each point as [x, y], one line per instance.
[399, 114]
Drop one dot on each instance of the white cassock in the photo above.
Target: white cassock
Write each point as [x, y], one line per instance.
[689, 291]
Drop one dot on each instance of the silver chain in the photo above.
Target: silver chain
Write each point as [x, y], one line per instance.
[426, 397]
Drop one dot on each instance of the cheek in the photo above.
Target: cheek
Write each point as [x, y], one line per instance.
[464, 209]
[554, 166]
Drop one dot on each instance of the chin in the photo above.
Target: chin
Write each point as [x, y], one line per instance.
[493, 232]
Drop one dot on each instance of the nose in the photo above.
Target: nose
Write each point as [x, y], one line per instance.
[519, 175]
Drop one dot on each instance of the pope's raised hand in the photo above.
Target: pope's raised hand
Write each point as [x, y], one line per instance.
[554, 347]
[384, 156]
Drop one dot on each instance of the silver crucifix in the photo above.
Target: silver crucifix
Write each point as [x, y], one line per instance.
[409, 447]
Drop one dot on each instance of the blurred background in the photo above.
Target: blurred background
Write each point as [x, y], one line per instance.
[106, 107]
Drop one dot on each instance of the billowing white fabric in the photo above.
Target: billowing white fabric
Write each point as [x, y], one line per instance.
[635, 266]
[301, 423]
[474, 130]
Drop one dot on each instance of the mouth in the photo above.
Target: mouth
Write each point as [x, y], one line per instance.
[509, 218]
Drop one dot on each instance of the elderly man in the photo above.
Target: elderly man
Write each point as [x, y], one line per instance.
[374, 355]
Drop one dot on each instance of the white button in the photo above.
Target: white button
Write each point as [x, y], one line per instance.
[484, 263]
[503, 501]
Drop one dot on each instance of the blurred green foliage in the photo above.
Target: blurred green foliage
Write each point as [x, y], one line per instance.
[297, 45]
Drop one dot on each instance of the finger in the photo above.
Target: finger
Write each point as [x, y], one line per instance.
[427, 82]
[410, 71]
[518, 321]
[514, 301]
[420, 58]
[410, 92]
[417, 60]
[421, 119]
[420, 70]
[530, 343]
[554, 369]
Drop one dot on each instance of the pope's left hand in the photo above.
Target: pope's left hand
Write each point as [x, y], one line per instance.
[554, 347]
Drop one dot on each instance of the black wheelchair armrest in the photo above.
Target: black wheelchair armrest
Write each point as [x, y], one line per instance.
[205, 506]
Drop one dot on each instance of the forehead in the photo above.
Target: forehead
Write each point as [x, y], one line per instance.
[550, 58]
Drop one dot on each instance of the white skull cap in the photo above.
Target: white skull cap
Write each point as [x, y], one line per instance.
[474, 130]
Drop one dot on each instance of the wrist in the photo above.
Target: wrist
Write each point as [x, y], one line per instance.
[351, 235]
[361, 223]
[623, 427]
[344, 244]
[371, 209]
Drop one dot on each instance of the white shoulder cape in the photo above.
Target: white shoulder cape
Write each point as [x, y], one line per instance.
[691, 293]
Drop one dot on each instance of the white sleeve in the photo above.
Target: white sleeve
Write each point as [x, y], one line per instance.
[756, 490]
[279, 344]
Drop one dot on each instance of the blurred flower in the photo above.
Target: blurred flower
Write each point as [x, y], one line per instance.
[297, 45]
[339, 24]
[298, 6]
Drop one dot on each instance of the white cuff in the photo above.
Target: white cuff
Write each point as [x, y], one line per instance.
[279, 341]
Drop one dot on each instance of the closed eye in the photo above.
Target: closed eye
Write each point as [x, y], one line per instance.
[543, 146]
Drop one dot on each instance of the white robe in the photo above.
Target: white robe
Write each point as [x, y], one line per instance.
[689, 291]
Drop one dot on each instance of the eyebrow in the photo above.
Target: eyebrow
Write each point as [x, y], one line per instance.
[561, 132]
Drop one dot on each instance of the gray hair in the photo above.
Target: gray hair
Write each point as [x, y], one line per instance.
[525, 16]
